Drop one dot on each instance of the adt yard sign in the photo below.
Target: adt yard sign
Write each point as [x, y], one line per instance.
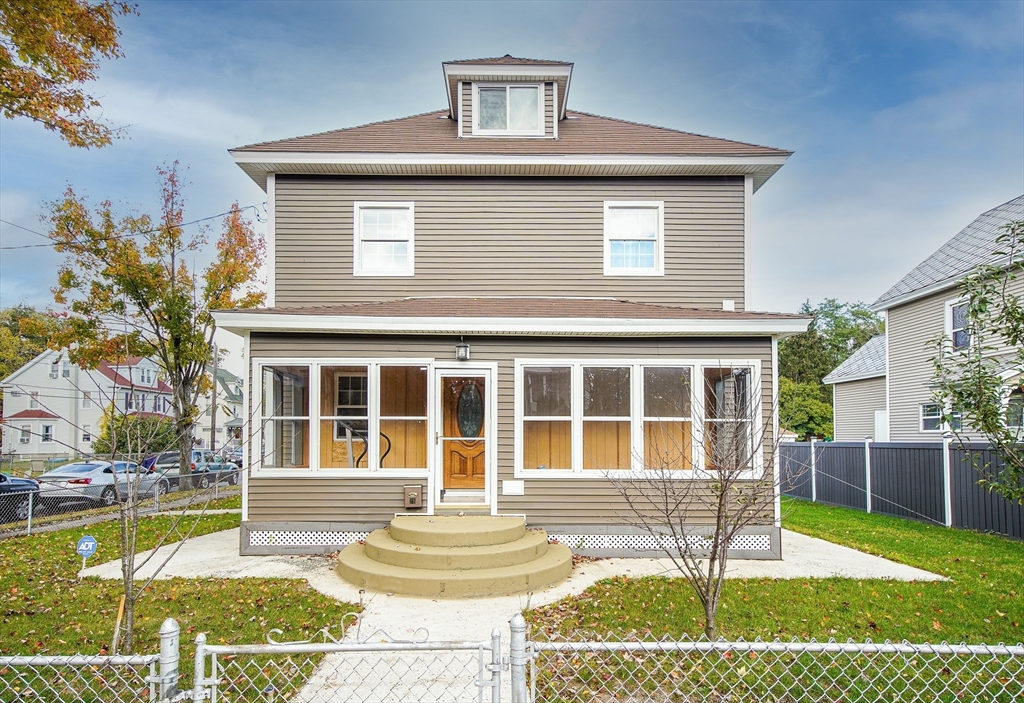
[87, 546]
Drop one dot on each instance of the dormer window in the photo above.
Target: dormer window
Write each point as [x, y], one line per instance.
[508, 110]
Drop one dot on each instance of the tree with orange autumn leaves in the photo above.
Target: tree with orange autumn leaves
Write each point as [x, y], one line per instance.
[127, 289]
[48, 50]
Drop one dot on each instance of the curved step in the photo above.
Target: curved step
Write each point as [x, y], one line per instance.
[464, 531]
[382, 547]
[356, 567]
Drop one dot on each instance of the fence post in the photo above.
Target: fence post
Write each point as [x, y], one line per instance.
[867, 470]
[169, 641]
[947, 481]
[31, 509]
[495, 665]
[199, 674]
[814, 479]
[518, 658]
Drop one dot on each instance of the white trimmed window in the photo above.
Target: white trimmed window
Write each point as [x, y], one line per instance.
[55, 368]
[1015, 410]
[508, 110]
[47, 433]
[86, 433]
[957, 327]
[933, 419]
[65, 369]
[33, 401]
[634, 238]
[25, 434]
[580, 418]
[383, 239]
[86, 400]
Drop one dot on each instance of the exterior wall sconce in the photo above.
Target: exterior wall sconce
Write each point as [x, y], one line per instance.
[461, 351]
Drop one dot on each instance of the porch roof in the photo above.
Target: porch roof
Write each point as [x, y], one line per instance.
[513, 316]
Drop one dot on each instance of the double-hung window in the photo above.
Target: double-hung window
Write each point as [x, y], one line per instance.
[383, 243]
[25, 434]
[33, 399]
[65, 369]
[515, 110]
[634, 238]
[933, 418]
[55, 368]
[589, 417]
[1015, 410]
[86, 433]
[47, 433]
[86, 400]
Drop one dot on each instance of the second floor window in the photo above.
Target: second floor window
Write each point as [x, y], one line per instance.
[33, 400]
[86, 399]
[65, 369]
[383, 239]
[959, 331]
[634, 238]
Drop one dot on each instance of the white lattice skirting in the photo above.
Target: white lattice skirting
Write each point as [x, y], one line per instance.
[650, 542]
[302, 538]
[306, 538]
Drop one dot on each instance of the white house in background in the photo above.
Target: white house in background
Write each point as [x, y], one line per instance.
[927, 303]
[230, 409]
[858, 394]
[53, 407]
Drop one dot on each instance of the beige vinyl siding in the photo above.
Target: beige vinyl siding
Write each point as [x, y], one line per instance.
[467, 109]
[507, 236]
[855, 403]
[546, 501]
[911, 329]
[549, 111]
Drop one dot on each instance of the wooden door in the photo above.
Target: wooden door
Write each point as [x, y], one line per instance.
[463, 430]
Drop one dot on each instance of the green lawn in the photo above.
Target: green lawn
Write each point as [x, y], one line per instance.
[983, 602]
[47, 609]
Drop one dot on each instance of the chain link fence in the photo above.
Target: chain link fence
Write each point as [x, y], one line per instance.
[78, 679]
[583, 669]
[544, 669]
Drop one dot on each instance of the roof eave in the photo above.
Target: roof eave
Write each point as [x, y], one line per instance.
[911, 296]
[241, 322]
[829, 380]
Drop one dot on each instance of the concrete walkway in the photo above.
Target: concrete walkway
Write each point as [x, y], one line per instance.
[216, 555]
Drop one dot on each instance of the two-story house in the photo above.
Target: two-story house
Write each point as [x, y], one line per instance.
[926, 304]
[54, 408]
[230, 402]
[500, 304]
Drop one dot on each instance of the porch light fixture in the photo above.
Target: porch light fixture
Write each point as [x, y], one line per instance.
[461, 351]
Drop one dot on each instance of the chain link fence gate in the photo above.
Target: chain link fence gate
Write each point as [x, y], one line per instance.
[75, 679]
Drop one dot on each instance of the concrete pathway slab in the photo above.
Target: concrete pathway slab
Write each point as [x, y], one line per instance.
[402, 617]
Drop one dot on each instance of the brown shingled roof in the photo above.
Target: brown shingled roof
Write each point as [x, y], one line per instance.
[580, 133]
[508, 59]
[32, 415]
[455, 307]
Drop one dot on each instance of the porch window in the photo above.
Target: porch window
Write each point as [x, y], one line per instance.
[728, 444]
[547, 418]
[606, 418]
[383, 239]
[588, 417]
[403, 417]
[668, 424]
[634, 242]
[285, 417]
[344, 417]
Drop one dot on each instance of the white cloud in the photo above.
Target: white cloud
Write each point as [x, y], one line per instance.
[184, 117]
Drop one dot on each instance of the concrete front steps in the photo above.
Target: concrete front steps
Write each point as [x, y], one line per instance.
[455, 557]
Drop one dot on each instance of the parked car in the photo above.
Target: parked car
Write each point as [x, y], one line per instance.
[94, 482]
[205, 465]
[14, 497]
[237, 456]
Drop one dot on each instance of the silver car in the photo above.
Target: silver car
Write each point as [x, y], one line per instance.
[94, 482]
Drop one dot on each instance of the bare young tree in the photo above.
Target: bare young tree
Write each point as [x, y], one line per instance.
[696, 508]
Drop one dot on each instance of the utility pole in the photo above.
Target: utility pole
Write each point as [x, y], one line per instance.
[213, 400]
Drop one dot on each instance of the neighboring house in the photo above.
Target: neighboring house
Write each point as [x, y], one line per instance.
[927, 303]
[230, 413]
[54, 408]
[493, 306]
[858, 394]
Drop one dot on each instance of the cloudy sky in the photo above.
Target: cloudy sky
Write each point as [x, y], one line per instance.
[906, 119]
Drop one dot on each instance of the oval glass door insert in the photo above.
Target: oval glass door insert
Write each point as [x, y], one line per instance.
[470, 411]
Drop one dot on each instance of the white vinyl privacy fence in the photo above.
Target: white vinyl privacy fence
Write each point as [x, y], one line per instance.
[540, 669]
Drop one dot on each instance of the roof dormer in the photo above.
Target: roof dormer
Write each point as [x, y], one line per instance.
[507, 96]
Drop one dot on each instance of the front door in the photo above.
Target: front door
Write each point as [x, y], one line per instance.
[463, 436]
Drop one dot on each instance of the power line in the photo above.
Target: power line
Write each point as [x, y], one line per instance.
[133, 234]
